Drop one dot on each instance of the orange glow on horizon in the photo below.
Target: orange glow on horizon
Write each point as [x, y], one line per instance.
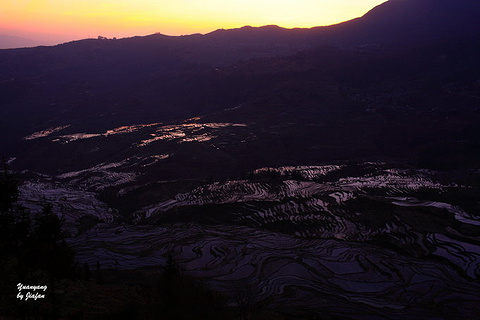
[77, 19]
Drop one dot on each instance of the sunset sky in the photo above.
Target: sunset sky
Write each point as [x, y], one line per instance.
[61, 20]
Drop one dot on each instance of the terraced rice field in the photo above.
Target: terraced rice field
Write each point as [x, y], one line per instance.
[372, 246]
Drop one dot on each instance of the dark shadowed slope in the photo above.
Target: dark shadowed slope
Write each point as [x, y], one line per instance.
[98, 84]
[407, 22]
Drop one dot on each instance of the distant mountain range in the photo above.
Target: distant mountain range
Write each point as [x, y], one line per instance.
[403, 53]
[8, 42]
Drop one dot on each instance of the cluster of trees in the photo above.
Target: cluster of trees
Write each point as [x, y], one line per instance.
[33, 252]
